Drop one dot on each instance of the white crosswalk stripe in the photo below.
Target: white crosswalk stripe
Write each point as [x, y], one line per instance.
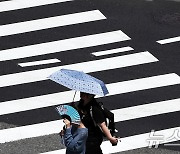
[87, 67]
[53, 127]
[63, 45]
[114, 89]
[21, 4]
[169, 40]
[110, 59]
[107, 52]
[26, 64]
[130, 143]
[51, 22]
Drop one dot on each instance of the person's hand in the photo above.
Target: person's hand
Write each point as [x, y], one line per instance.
[61, 133]
[114, 140]
[67, 123]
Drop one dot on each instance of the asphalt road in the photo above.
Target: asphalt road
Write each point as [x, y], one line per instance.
[144, 21]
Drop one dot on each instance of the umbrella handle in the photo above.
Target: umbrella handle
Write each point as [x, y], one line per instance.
[74, 95]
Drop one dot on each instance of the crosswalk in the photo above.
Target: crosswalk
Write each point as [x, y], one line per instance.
[20, 4]
[51, 22]
[126, 71]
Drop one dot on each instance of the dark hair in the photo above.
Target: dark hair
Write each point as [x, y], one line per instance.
[67, 117]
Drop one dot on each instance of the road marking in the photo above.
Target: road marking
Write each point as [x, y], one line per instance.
[36, 102]
[62, 151]
[143, 83]
[87, 67]
[63, 45]
[17, 133]
[147, 110]
[169, 40]
[53, 127]
[112, 51]
[131, 142]
[139, 141]
[171, 144]
[40, 62]
[22, 4]
[51, 22]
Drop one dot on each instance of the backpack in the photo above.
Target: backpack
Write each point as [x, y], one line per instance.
[109, 118]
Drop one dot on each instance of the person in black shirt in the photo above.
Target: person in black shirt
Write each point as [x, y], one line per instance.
[95, 136]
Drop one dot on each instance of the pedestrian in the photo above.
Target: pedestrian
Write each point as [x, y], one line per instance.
[74, 136]
[95, 135]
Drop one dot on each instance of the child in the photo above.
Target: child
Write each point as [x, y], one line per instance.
[74, 136]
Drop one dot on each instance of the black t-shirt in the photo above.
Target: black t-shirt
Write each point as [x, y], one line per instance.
[94, 132]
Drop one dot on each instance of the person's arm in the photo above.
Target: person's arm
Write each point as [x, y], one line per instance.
[62, 136]
[100, 120]
[75, 144]
[106, 131]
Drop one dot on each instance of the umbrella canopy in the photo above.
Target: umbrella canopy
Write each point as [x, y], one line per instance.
[70, 111]
[79, 81]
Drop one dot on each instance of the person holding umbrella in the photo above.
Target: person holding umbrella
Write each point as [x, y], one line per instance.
[95, 136]
[88, 86]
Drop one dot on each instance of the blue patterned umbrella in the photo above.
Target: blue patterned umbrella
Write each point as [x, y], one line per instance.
[70, 111]
[79, 81]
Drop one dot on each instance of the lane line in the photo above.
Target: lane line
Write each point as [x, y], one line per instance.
[112, 51]
[53, 127]
[51, 22]
[40, 62]
[169, 40]
[133, 142]
[36, 102]
[22, 4]
[63, 45]
[87, 67]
